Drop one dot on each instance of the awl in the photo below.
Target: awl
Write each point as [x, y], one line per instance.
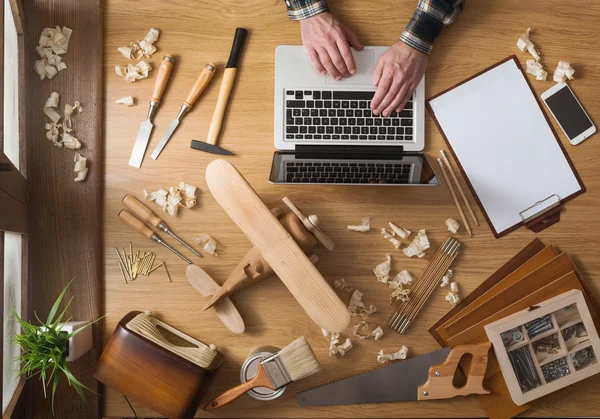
[203, 79]
[142, 228]
[141, 142]
[146, 214]
[425, 377]
[214, 130]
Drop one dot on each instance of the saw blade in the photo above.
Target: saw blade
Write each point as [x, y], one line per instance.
[391, 383]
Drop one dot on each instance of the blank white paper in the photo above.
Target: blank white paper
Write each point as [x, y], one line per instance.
[504, 144]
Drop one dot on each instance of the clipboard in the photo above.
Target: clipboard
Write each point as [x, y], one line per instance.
[506, 148]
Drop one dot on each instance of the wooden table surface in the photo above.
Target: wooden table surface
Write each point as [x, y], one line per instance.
[196, 32]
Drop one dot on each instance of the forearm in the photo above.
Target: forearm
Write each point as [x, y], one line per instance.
[430, 18]
[303, 9]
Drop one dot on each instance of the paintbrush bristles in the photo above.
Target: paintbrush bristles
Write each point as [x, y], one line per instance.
[299, 359]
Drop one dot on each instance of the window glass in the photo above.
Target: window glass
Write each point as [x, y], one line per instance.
[11, 87]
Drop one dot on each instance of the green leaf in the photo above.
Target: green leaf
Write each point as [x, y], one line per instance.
[74, 332]
[59, 318]
[54, 385]
[56, 304]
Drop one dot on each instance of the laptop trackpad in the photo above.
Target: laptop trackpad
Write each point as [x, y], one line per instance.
[365, 63]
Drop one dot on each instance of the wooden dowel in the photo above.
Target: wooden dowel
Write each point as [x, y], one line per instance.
[155, 268]
[460, 189]
[167, 271]
[122, 271]
[451, 188]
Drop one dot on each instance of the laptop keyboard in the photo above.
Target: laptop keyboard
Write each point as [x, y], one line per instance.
[323, 172]
[342, 115]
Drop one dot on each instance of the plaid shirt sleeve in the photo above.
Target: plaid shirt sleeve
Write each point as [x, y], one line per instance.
[303, 9]
[428, 21]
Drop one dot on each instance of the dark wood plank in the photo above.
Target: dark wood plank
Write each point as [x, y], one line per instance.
[65, 217]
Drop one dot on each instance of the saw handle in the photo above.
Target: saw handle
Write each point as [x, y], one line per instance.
[141, 211]
[164, 72]
[439, 382]
[202, 81]
[261, 379]
[136, 224]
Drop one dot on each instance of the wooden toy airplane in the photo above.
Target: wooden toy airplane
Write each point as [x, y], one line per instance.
[281, 242]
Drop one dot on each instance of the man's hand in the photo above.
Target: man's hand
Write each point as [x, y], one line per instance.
[327, 41]
[397, 74]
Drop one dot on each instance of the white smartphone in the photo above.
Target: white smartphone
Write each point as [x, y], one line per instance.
[568, 112]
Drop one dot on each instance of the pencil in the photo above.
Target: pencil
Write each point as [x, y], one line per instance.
[460, 189]
[462, 214]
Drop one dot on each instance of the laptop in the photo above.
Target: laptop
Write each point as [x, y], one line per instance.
[325, 132]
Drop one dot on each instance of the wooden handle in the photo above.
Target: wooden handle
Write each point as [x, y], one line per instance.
[261, 379]
[439, 383]
[141, 211]
[136, 224]
[217, 120]
[202, 81]
[164, 72]
[278, 248]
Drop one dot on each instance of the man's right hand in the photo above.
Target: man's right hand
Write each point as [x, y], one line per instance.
[328, 41]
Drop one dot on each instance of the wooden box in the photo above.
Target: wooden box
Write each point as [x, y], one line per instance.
[546, 347]
[159, 370]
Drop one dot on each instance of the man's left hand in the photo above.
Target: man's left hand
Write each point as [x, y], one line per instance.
[397, 74]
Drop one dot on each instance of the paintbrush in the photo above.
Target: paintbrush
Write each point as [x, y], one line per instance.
[294, 362]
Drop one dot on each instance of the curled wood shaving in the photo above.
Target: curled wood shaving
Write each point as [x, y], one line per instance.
[50, 107]
[53, 43]
[401, 232]
[340, 284]
[399, 294]
[382, 358]
[143, 48]
[418, 246]
[452, 225]
[209, 245]
[403, 278]
[126, 100]
[382, 271]
[80, 167]
[363, 227]
[524, 44]
[69, 110]
[454, 287]
[133, 72]
[453, 298]
[70, 142]
[361, 326]
[356, 307]
[377, 333]
[563, 72]
[446, 279]
[341, 350]
[183, 195]
[390, 236]
[535, 67]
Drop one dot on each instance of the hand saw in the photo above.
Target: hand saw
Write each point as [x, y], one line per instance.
[425, 377]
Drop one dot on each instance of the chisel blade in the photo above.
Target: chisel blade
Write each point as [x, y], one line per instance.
[141, 142]
[393, 383]
[165, 138]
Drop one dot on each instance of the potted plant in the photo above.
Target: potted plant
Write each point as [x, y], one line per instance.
[46, 348]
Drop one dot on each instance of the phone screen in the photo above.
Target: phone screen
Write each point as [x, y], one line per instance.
[568, 112]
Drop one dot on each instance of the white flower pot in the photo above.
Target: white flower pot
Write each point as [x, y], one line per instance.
[82, 342]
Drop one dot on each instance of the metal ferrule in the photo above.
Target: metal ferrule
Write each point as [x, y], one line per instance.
[163, 227]
[277, 372]
[152, 109]
[184, 109]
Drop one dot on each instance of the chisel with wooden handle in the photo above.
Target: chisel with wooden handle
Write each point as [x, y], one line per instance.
[216, 123]
[203, 79]
[147, 215]
[141, 142]
[143, 229]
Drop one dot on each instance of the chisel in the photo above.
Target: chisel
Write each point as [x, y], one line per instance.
[203, 79]
[141, 142]
[146, 214]
[142, 228]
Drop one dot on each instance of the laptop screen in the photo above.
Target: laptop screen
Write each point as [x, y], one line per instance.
[392, 169]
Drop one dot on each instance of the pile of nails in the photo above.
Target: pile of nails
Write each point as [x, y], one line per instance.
[524, 368]
[556, 369]
[539, 325]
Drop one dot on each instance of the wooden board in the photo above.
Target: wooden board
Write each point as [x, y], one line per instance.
[65, 217]
[200, 32]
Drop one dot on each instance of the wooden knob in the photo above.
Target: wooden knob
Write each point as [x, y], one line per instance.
[164, 72]
[136, 224]
[141, 211]
[202, 81]
[314, 220]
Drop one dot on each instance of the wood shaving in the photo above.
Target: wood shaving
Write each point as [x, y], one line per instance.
[399, 294]
[144, 48]
[53, 43]
[454, 287]
[418, 246]
[361, 326]
[452, 225]
[563, 72]
[70, 142]
[356, 307]
[446, 279]
[363, 227]
[524, 44]
[403, 278]
[126, 100]
[382, 358]
[390, 236]
[340, 284]
[401, 232]
[209, 245]
[183, 195]
[453, 298]
[133, 72]
[69, 111]
[341, 350]
[535, 67]
[382, 271]
[50, 107]
[377, 333]
[80, 167]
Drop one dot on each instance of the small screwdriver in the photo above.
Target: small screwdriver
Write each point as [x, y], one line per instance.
[142, 228]
[146, 214]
